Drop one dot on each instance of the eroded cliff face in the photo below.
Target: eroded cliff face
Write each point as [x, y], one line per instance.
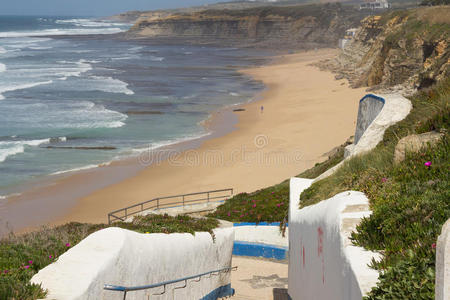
[293, 26]
[405, 50]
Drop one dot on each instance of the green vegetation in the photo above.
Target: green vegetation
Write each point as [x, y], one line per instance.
[23, 256]
[271, 204]
[410, 201]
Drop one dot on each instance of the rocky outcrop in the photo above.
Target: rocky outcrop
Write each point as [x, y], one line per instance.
[414, 142]
[401, 50]
[292, 26]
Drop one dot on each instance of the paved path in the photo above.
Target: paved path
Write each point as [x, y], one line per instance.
[255, 278]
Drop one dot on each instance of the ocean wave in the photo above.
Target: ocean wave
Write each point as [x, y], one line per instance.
[156, 58]
[111, 85]
[135, 49]
[88, 23]
[21, 87]
[39, 48]
[52, 32]
[11, 148]
[2, 50]
[76, 169]
[2, 68]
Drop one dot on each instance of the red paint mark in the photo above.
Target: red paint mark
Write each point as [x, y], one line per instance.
[320, 251]
[303, 257]
[320, 241]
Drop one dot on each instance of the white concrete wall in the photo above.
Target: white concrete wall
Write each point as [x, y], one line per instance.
[123, 257]
[443, 263]
[269, 235]
[322, 262]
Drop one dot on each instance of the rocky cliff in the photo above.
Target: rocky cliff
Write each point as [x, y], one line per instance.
[289, 26]
[401, 50]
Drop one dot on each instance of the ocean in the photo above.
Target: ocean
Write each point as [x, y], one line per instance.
[74, 102]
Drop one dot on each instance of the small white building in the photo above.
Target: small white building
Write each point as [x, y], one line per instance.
[374, 4]
[349, 34]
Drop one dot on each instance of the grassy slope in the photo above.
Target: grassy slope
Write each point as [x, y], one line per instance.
[23, 256]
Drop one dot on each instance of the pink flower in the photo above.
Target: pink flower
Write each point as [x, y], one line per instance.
[228, 213]
[278, 205]
[50, 256]
[254, 205]
[30, 262]
[27, 267]
[273, 192]
[384, 179]
[6, 271]
[427, 164]
[241, 216]
[433, 246]
[68, 245]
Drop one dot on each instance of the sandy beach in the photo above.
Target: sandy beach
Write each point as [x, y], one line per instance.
[306, 112]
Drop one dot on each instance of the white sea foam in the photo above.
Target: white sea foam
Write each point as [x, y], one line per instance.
[135, 49]
[156, 58]
[234, 94]
[2, 50]
[39, 48]
[76, 169]
[111, 85]
[4, 89]
[2, 68]
[15, 147]
[52, 32]
[88, 23]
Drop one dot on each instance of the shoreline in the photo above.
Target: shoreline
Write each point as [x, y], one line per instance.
[247, 150]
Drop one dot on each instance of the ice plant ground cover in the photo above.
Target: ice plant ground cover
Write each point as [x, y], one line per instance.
[23, 256]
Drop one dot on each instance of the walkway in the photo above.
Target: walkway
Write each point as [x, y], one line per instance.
[255, 278]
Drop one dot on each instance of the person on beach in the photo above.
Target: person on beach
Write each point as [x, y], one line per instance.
[262, 109]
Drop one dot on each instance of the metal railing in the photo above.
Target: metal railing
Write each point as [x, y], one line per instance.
[125, 290]
[192, 198]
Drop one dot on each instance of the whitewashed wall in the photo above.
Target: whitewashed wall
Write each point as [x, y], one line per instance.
[269, 235]
[395, 109]
[322, 262]
[122, 257]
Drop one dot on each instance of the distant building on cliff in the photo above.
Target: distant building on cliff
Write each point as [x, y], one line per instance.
[374, 4]
[349, 34]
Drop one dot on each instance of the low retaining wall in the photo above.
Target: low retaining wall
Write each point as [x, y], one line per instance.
[127, 258]
[260, 240]
[443, 263]
[323, 264]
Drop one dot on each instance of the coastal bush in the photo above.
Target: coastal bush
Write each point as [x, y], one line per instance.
[23, 256]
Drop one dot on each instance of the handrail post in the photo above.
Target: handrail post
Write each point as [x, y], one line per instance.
[109, 219]
[142, 207]
[126, 213]
[208, 197]
[157, 203]
[183, 200]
